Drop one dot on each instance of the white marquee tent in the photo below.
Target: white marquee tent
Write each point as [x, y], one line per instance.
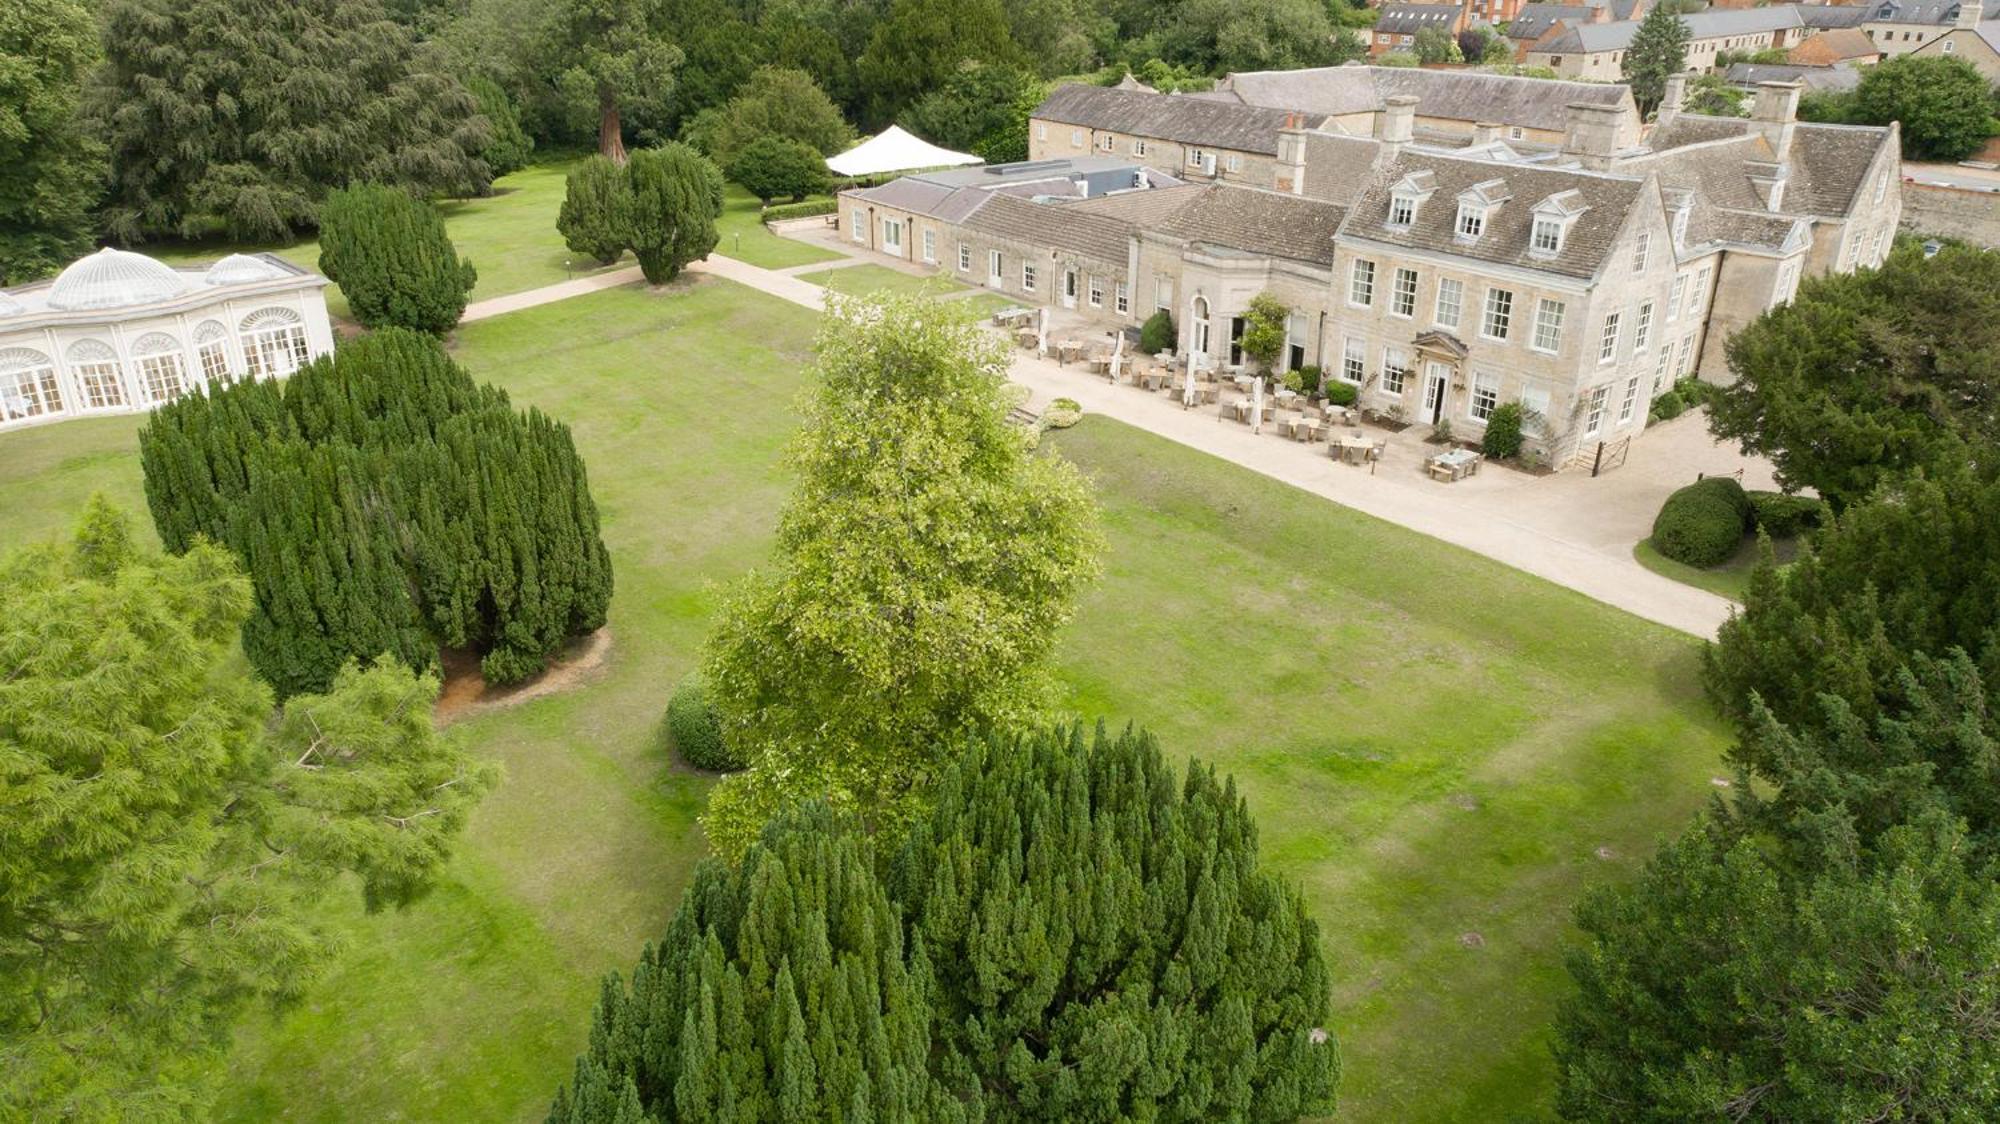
[893, 150]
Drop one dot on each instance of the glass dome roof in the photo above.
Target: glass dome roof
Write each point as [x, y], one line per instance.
[114, 279]
[10, 307]
[241, 269]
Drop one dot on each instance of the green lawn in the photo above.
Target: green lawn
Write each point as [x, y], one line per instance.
[745, 237]
[1729, 580]
[510, 236]
[1434, 745]
[872, 278]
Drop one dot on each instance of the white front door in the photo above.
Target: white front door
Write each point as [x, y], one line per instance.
[1069, 288]
[892, 236]
[994, 278]
[1437, 376]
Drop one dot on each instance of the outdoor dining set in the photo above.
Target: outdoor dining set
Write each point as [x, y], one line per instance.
[1235, 391]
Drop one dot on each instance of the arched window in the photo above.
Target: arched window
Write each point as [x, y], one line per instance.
[274, 343]
[97, 371]
[161, 367]
[28, 386]
[211, 347]
[1200, 321]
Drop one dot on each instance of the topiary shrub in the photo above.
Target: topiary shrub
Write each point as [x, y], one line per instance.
[1157, 334]
[1503, 431]
[1703, 524]
[1667, 406]
[676, 198]
[695, 732]
[1784, 516]
[1341, 393]
[1062, 413]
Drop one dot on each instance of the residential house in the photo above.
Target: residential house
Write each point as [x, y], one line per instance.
[1396, 25]
[1533, 22]
[1450, 103]
[1836, 46]
[1747, 76]
[1902, 27]
[1195, 138]
[1971, 38]
[1597, 51]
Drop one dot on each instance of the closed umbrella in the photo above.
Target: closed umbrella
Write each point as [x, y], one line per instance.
[1042, 332]
[1187, 389]
[1117, 357]
[1256, 405]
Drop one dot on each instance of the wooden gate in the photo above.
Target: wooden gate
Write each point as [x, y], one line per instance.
[1609, 455]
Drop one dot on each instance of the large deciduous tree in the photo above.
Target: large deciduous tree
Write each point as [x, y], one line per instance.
[384, 502]
[605, 58]
[165, 846]
[236, 118]
[1069, 932]
[51, 165]
[676, 198]
[392, 259]
[919, 43]
[772, 166]
[1867, 377]
[1657, 52]
[1730, 983]
[924, 564]
[774, 102]
[981, 108]
[1945, 105]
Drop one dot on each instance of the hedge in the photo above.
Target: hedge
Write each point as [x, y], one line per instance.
[808, 209]
[1784, 516]
[1703, 524]
[694, 730]
[1340, 393]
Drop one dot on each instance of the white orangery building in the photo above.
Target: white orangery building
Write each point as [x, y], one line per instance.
[119, 332]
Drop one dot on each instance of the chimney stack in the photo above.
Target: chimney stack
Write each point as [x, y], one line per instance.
[1777, 115]
[1599, 14]
[1485, 132]
[1290, 174]
[1395, 126]
[1591, 133]
[1969, 15]
[1671, 99]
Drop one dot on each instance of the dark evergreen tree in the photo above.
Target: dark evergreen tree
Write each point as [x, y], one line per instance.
[980, 108]
[596, 215]
[1658, 51]
[1071, 933]
[384, 502]
[392, 259]
[676, 198]
[603, 62]
[772, 166]
[920, 43]
[51, 166]
[237, 117]
[510, 146]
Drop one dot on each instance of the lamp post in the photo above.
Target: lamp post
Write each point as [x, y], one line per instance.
[567, 263]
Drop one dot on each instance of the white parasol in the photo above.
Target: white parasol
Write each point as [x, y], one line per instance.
[1188, 392]
[1256, 405]
[1117, 357]
[1042, 332]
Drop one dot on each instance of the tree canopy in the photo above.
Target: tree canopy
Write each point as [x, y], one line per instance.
[1658, 51]
[920, 43]
[165, 845]
[874, 637]
[232, 118]
[392, 259]
[676, 198]
[1069, 932]
[772, 166]
[51, 165]
[384, 502]
[605, 61]
[775, 102]
[1945, 105]
[982, 109]
[1867, 377]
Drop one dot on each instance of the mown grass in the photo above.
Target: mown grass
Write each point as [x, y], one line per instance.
[859, 280]
[742, 235]
[1436, 747]
[1730, 579]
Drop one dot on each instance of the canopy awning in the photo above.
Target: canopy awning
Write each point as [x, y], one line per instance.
[893, 150]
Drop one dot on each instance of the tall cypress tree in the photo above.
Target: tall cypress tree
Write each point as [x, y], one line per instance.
[393, 260]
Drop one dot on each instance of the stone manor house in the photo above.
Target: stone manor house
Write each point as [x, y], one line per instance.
[1447, 249]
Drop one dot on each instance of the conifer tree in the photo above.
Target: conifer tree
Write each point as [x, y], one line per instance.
[167, 848]
[676, 198]
[1070, 933]
[510, 146]
[1658, 51]
[51, 165]
[391, 257]
[596, 215]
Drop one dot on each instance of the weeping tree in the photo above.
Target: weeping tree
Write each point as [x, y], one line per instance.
[1070, 931]
[384, 502]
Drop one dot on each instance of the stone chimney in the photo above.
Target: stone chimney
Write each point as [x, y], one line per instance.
[1591, 133]
[1777, 115]
[1290, 176]
[1485, 132]
[1672, 99]
[1599, 14]
[1395, 126]
[1968, 16]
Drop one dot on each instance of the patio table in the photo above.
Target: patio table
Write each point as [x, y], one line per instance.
[1456, 465]
[1305, 428]
[1354, 448]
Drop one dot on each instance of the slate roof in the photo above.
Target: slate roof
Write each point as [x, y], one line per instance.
[1609, 199]
[1932, 12]
[1408, 19]
[1829, 163]
[1748, 74]
[1338, 167]
[1825, 169]
[1058, 226]
[1749, 228]
[1463, 95]
[1833, 15]
[1834, 45]
[1139, 208]
[1259, 222]
[1535, 20]
[1693, 128]
[1184, 120]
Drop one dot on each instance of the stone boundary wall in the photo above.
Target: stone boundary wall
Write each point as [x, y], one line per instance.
[1955, 212]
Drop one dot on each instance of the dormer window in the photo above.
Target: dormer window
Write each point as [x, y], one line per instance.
[1475, 207]
[1407, 196]
[1548, 237]
[1402, 210]
[1471, 221]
